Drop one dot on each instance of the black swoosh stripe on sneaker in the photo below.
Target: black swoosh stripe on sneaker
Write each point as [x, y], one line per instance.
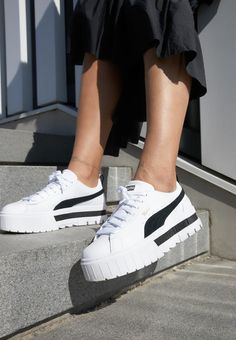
[177, 228]
[158, 219]
[79, 214]
[73, 201]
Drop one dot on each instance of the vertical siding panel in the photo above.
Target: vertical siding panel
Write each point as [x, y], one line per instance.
[50, 51]
[18, 56]
[2, 63]
[60, 45]
[78, 71]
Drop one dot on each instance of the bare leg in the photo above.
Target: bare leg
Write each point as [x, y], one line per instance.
[167, 95]
[99, 94]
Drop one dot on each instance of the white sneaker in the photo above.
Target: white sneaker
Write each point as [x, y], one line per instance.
[146, 225]
[64, 202]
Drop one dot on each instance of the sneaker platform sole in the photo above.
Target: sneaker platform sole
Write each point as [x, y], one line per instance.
[43, 222]
[141, 255]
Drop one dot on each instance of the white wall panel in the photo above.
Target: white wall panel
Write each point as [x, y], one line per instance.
[50, 51]
[218, 107]
[18, 56]
[2, 62]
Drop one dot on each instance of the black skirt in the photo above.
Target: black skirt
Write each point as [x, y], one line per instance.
[121, 31]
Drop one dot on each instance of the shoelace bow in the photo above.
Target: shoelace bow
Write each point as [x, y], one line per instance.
[127, 208]
[56, 184]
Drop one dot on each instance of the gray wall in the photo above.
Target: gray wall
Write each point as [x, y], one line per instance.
[218, 107]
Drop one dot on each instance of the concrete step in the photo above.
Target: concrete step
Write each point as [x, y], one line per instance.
[196, 300]
[27, 147]
[40, 274]
[20, 181]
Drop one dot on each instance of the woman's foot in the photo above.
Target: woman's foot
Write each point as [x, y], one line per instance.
[146, 224]
[64, 202]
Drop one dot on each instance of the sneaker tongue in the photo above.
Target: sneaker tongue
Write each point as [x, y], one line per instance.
[139, 186]
[69, 175]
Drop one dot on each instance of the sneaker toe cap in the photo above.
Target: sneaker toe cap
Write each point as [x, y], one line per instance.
[99, 248]
[14, 208]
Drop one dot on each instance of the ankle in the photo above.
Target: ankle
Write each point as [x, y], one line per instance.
[165, 182]
[85, 174]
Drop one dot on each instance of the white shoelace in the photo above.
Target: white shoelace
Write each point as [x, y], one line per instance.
[57, 183]
[126, 209]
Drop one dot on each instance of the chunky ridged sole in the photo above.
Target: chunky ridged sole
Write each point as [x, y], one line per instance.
[140, 256]
[40, 223]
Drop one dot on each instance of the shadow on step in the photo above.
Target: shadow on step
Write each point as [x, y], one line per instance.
[86, 295]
